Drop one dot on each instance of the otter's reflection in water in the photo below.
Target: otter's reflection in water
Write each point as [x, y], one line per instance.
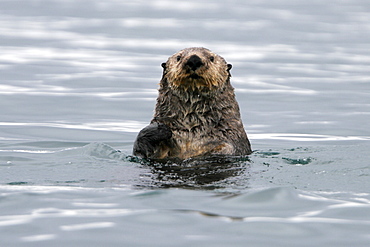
[211, 172]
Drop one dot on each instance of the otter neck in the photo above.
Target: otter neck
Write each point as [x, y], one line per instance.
[195, 95]
[190, 110]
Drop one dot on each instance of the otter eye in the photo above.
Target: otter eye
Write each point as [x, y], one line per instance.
[212, 59]
[178, 58]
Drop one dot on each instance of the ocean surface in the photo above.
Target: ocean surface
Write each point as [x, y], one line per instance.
[79, 79]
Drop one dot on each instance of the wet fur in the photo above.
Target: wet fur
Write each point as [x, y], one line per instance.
[196, 112]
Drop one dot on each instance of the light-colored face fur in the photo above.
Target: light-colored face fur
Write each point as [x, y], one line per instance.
[212, 72]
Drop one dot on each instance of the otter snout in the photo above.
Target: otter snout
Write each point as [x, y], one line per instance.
[194, 62]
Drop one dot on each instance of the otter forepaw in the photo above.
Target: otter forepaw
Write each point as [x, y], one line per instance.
[149, 139]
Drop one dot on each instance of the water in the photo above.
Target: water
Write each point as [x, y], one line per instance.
[79, 80]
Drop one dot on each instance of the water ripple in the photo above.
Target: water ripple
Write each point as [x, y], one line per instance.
[80, 227]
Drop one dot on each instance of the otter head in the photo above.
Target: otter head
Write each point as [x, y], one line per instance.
[196, 69]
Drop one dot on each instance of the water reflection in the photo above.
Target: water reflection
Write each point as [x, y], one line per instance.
[306, 137]
[217, 171]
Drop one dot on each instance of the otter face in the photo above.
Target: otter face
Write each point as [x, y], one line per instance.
[196, 68]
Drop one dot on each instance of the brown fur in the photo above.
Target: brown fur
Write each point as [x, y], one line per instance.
[198, 106]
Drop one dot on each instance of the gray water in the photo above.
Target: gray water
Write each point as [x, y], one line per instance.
[79, 79]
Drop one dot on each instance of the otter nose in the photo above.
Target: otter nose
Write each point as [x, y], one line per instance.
[194, 62]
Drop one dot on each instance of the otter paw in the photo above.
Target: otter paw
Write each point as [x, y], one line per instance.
[149, 139]
[164, 132]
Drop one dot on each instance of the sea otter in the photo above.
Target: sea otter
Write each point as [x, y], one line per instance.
[196, 112]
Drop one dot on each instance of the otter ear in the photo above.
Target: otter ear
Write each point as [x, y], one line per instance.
[163, 65]
[229, 66]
